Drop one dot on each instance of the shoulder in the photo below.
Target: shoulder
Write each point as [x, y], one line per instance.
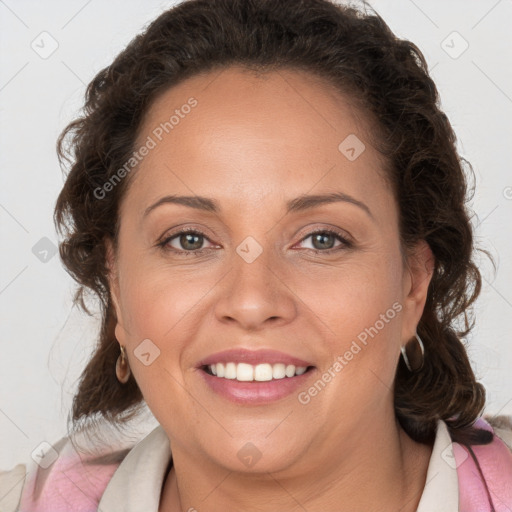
[485, 471]
[66, 478]
[502, 426]
[11, 486]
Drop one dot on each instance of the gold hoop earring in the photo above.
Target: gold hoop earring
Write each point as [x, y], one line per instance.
[406, 359]
[122, 368]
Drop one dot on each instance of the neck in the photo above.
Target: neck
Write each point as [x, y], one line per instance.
[380, 468]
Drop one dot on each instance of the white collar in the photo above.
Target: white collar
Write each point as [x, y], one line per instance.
[441, 492]
[137, 483]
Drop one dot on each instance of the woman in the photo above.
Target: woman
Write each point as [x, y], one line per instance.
[268, 202]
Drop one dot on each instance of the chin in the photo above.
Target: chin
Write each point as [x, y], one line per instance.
[258, 455]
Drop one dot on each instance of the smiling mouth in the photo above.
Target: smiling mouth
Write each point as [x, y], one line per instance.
[264, 372]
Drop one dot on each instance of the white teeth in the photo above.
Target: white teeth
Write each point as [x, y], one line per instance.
[290, 370]
[230, 371]
[244, 372]
[278, 371]
[263, 372]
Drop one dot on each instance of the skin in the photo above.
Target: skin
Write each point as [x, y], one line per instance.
[252, 143]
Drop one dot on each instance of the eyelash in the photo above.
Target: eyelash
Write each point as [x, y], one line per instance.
[346, 244]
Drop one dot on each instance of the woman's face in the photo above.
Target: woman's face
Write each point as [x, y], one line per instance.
[253, 275]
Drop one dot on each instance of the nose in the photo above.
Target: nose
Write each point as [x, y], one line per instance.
[256, 293]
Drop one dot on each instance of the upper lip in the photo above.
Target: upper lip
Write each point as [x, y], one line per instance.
[254, 357]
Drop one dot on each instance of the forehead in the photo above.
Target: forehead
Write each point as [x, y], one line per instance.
[244, 136]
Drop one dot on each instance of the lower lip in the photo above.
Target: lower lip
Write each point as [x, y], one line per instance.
[255, 392]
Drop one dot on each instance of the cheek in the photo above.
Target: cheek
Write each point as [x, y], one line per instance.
[156, 299]
[348, 297]
[360, 306]
[354, 294]
[158, 304]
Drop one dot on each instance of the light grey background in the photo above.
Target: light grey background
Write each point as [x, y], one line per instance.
[46, 342]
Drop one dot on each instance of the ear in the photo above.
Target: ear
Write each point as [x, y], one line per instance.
[418, 273]
[113, 283]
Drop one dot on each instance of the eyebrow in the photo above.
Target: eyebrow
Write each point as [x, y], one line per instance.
[301, 203]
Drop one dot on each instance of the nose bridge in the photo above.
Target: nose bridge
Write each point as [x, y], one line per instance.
[256, 290]
[254, 267]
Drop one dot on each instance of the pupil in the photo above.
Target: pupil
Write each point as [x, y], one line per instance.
[321, 237]
[186, 238]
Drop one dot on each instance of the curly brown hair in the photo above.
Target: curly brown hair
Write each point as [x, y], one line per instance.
[385, 76]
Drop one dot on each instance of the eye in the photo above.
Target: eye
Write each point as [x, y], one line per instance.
[187, 242]
[323, 241]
